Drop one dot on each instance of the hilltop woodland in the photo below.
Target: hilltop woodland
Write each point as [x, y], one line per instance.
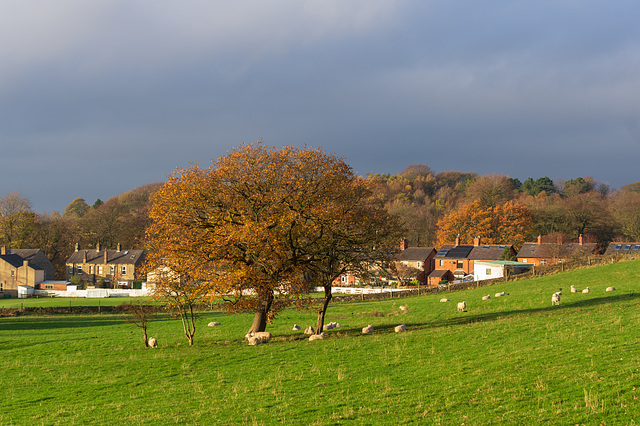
[432, 208]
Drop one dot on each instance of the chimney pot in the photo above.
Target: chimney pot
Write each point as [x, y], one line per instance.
[76, 246]
[4, 250]
[476, 241]
[98, 247]
[458, 240]
[580, 239]
[539, 239]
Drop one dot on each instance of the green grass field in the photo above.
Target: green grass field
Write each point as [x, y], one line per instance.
[511, 360]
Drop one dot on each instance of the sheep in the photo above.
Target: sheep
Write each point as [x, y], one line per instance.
[555, 299]
[309, 330]
[502, 293]
[610, 289]
[462, 306]
[400, 328]
[368, 329]
[258, 337]
[253, 341]
[487, 297]
[404, 308]
[153, 343]
[586, 290]
[296, 327]
[316, 337]
[330, 326]
[444, 299]
[574, 289]
[213, 324]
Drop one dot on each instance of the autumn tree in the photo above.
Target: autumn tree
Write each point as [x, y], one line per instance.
[77, 208]
[491, 190]
[508, 223]
[16, 220]
[251, 226]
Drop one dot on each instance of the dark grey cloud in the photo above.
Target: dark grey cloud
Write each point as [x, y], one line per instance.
[97, 98]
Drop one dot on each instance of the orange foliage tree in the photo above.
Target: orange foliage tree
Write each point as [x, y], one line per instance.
[256, 226]
[508, 223]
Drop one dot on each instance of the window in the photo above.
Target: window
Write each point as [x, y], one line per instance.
[543, 261]
[418, 264]
[124, 270]
[13, 273]
[1, 287]
[48, 286]
[441, 262]
[91, 269]
[343, 279]
[459, 266]
[70, 269]
[78, 269]
[100, 270]
[488, 271]
[112, 270]
[524, 260]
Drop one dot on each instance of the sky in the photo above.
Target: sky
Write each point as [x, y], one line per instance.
[100, 97]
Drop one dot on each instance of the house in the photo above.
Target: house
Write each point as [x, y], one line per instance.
[459, 259]
[22, 270]
[414, 263]
[490, 269]
[106, 268]
[622, 249]
[541, 253]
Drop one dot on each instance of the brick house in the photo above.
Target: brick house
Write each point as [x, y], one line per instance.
[541, 253]
[23, 267]
[459, 259]
[414, 263]
[614, 249]
[108, 268]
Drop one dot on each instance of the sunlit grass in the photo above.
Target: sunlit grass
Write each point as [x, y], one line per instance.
[509, 360]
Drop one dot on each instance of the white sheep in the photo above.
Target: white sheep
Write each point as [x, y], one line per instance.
[502, 293]
[368, 329]
[610, 289]
[309, 330]
[462, 306]
[444, 299]
[400, 328]
[404, 308]
[316, 337]
[153, 343]
[555, 299]
[487, 297]
[330, 326]
[214, 324]
[586, 290]
[296, 327]
[574, 289]
[260, 337]
[254, 341]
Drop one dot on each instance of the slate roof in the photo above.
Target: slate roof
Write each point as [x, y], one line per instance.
[439, 273]
[114, 257]
[481, 252]
[414, 254]
[622, 248]
[554, 250]
[36, 259]
[15, 260]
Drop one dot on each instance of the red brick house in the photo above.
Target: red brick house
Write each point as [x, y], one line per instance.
[550, 253]
[414, 263]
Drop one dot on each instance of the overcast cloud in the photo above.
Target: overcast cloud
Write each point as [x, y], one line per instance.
[100, 97]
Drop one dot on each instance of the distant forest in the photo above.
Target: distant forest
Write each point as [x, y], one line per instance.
[432, 207]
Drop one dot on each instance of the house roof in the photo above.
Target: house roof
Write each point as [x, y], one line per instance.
[554, 250]
[36, 258]
[439, 273]
[17, 261]
[415, 254]
[622, 248]
[480, 252]
[114, 257]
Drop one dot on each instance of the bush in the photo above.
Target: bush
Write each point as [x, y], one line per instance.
[136, 285]
[444, 282]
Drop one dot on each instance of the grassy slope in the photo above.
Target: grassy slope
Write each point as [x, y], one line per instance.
[513, 360]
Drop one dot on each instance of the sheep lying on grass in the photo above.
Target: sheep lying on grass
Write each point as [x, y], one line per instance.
[368, 329]
[444, 299]
[502, 293]
[331, 325]
[316, 337]
[462, 306]
[573, 289]
[214, 324]
[153, 343]
[296, 327]
[487, 297]
[309, 330]
[586, 290]
[404, 308]
[259, 337]
[610, 289]
[555, 298]
[400, 328]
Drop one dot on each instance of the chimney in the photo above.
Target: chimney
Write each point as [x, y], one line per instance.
[3, 250]
[560, 239]
[84, 257]
[118, 247]
[539, 239]
[580, 239]
[476, 241]
[76, 246]
[98, 247]
[106, 257]
[458, 240]
[403, 244]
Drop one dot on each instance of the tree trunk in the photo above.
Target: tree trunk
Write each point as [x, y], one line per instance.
[262, 313]
[323, 310]
[146, 339]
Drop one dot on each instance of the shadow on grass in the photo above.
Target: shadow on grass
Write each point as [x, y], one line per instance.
[466, 318]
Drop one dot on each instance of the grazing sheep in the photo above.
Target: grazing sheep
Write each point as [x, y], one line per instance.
[462, 306]
[487, 297]
[153, 343]
[574, 289]
[502, 293]
[368, 329]
[610, 289]
[404, 308]
[296, 327]
[555, 299]
[316, 337]
[586, 290]
[444, 299]
[400, 328]
[309, 330]
[213, 324]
